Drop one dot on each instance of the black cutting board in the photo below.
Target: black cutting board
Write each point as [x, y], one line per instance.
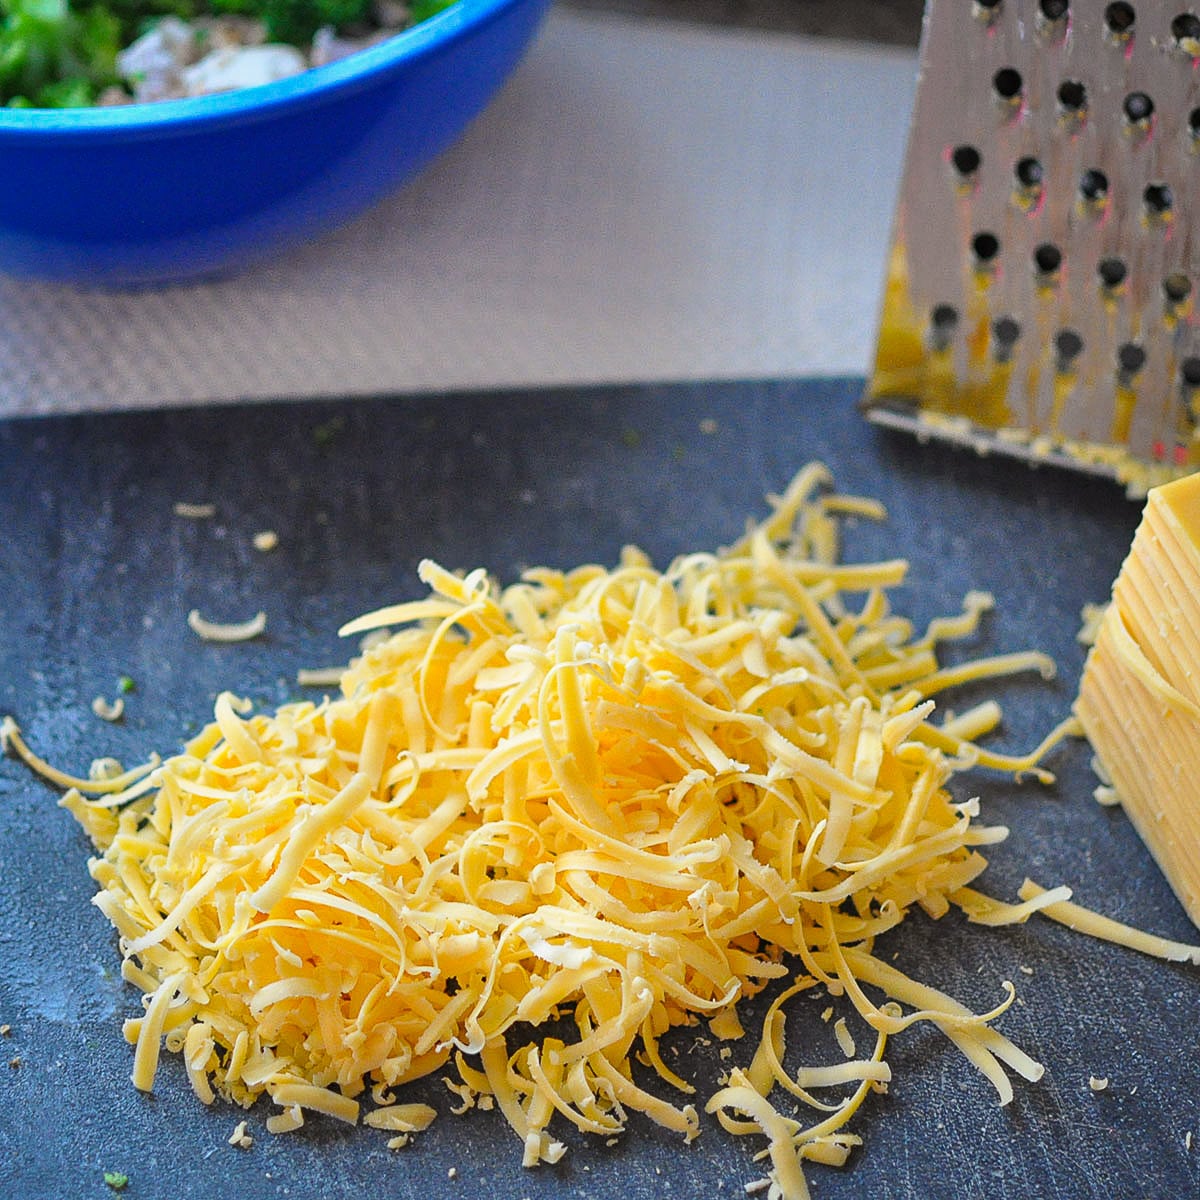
[97, 575]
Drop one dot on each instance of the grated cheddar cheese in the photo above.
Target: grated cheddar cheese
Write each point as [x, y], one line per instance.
[626, 797]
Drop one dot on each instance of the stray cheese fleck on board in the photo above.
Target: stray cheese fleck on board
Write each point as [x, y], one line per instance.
[623, 800]
[1139, 699]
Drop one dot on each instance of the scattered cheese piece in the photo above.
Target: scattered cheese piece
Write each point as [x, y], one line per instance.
[108, 710]
[1097, 1084]
[1075, 916]
[1092, 616]
[321, 677]
[194, 512]
[265, 541]
[240, 1138]
[841, 1031]
[401, 1118]
[241, 631]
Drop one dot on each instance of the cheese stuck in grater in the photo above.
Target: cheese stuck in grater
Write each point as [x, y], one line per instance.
[1046, 245]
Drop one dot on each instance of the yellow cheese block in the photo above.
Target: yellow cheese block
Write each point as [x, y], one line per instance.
[1139, 700]
[1158, 589]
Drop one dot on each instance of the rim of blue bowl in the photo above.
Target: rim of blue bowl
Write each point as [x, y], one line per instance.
[355, 69]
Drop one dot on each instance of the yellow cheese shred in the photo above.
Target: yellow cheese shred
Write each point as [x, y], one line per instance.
[624, 798]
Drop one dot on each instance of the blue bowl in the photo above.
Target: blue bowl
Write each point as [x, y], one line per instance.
[152, 193]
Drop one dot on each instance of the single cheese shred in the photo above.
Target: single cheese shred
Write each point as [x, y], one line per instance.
[619, 800]
[236, 631]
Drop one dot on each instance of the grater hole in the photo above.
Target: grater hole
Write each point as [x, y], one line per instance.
[1194, 122]
[965, 160]
[1008, 83]
[1072, 96]
[1006, 331]
[1029, 173]
[1177, 287]
[985, 246]
[1185, 29]
[1047, 258]
[1068, 346]
[1093, 185]
[1119, 18]
[1138, 108]
[1112, 272]
[1189, 371]
[1158, 199]
[1053, 10]
[987, 8]
[1131, 358]
[943, 320]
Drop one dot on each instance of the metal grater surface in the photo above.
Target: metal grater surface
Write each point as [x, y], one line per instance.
[1046, 245]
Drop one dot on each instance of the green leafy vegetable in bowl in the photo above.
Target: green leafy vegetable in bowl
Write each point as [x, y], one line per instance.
[53, 55]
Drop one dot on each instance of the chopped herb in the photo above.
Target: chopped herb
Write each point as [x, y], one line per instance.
[324, 433]
[116, 1179]
[631, 438]
[63, 53]
[125, 684]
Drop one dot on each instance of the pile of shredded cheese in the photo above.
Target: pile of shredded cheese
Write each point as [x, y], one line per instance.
[621, 800]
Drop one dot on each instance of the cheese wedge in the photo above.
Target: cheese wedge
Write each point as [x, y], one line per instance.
[1139, 699]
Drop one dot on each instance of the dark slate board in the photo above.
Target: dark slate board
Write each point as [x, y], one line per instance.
[96, 575]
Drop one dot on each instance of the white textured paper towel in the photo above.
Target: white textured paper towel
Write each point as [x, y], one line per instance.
[643, 201]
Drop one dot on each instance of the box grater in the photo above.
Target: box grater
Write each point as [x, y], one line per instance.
[1046, 244]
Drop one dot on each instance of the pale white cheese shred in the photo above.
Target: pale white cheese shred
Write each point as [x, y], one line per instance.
[240, 631]
[109, 710]
[194, 512]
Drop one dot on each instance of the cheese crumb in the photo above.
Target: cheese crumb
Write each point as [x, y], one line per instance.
[240, 1138]
[327, 677]
[452, 1173]
[238, 631]
[109, 710]
[1097, 1084]
[265, 541]
[845, 1039]
[194, 512]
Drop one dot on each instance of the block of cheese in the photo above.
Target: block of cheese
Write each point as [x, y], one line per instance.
[1158, 589]
[1139, 700]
